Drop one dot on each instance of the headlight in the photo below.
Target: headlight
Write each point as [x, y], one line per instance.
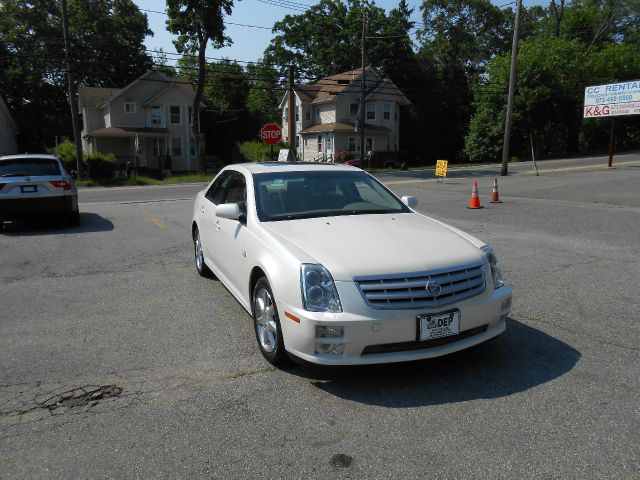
[496, 271]
[319, 293]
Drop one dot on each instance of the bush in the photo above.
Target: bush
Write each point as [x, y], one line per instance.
[66, 151]
[100, 165]
[96, 165]
[255, 151]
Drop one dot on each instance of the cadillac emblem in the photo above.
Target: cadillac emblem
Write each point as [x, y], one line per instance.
[434, 288]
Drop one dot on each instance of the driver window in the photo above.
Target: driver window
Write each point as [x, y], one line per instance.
[237, 192]
[217, 190]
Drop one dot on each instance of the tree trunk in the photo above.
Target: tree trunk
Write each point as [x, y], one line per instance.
[195, 110]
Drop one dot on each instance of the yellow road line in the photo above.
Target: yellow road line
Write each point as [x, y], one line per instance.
[154, 219]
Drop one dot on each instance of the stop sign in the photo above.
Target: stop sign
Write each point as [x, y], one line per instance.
[271, 134]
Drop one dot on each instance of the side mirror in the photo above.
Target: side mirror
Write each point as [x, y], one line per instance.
[410, 201]
[228, 210]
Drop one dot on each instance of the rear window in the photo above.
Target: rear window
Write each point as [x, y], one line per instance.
[29, 167]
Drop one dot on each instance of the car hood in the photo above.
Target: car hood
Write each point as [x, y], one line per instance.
[359, 245]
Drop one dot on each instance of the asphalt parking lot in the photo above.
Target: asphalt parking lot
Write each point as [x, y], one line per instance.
[119, 361]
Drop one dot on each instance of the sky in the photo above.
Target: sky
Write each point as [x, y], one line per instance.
[249, 43]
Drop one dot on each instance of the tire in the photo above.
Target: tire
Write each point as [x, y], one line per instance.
[73, 219]
[266, 324]
[198, 256]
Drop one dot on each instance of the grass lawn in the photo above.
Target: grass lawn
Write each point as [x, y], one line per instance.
[140, 180]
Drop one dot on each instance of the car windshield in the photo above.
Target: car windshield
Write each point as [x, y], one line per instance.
[29, 167]
[309, 194]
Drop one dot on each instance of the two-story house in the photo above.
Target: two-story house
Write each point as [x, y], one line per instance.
[327, 112]
[147, 122]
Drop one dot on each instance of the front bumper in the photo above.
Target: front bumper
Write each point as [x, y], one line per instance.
[387, 336]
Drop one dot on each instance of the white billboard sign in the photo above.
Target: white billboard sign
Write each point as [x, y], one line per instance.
[612, 100]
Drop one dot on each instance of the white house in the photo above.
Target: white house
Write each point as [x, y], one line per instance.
[326, 115]
[146, 122]
[8, 131]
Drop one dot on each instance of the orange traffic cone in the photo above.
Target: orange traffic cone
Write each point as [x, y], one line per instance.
[495, 198]
[475, 199]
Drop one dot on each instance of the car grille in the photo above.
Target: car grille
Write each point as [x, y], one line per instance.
[409, 290]
[409, 346]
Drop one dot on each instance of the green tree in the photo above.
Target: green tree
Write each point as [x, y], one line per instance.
[459, 38]
[265, 92]
[198, 22]
[106, 50]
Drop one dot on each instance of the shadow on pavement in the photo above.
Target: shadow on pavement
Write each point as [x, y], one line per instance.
[89, 222]
[520, 359]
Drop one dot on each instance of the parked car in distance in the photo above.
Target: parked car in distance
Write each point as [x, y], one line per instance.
[298, 245]
[377, 160]
[36, 185]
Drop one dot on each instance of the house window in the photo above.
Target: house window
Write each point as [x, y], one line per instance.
[387, 111]
[297, 113]
[286, 114]
[174, 114]
[396, 114]
[319, 143]
[297, 141]
[192, 147]
[189, 111]
[329, 145]
[307, 113]
[352, 144]
[156, 115]
[371, 111]
[129, 107]
[176, 147]
[305, 142]
[353, 109]
[317, 109]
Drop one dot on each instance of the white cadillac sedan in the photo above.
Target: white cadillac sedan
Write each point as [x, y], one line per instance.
[336, 270]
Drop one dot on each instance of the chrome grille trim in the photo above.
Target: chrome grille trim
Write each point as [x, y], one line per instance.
[408, 290]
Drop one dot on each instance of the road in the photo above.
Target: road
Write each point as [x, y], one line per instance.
[158, 373]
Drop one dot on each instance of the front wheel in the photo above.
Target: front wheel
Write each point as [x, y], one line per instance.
[267, 324]
[201, 266]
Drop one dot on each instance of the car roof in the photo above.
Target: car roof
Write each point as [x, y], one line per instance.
[276, 167]
[29, 155]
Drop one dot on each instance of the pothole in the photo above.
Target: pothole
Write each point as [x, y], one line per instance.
[341, 460]
[82, 396]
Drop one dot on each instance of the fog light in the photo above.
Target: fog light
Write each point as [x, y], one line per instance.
[324, 331]
[330, 348]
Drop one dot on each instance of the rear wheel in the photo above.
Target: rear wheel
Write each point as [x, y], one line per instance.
[201, 266]
[73, 219]
[267, 324]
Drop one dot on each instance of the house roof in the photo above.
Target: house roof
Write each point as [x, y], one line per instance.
[94, 96]
[128, 132]
[341, 127]
[328, 88]
[98, 97]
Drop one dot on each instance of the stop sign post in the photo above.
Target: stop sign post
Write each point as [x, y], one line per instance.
[271, 134]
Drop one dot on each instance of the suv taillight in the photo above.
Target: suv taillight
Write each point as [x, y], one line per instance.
[61, 184]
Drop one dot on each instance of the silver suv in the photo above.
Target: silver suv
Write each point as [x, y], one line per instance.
[34, 185]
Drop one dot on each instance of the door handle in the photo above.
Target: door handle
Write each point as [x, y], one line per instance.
[218, 225]
[202, 210]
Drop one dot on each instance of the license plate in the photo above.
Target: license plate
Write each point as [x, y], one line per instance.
[29, 189]
[439, 325]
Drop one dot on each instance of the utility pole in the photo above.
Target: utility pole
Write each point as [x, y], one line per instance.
[362, 88]
[72, 90]
[291, 127]
[512, 88]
